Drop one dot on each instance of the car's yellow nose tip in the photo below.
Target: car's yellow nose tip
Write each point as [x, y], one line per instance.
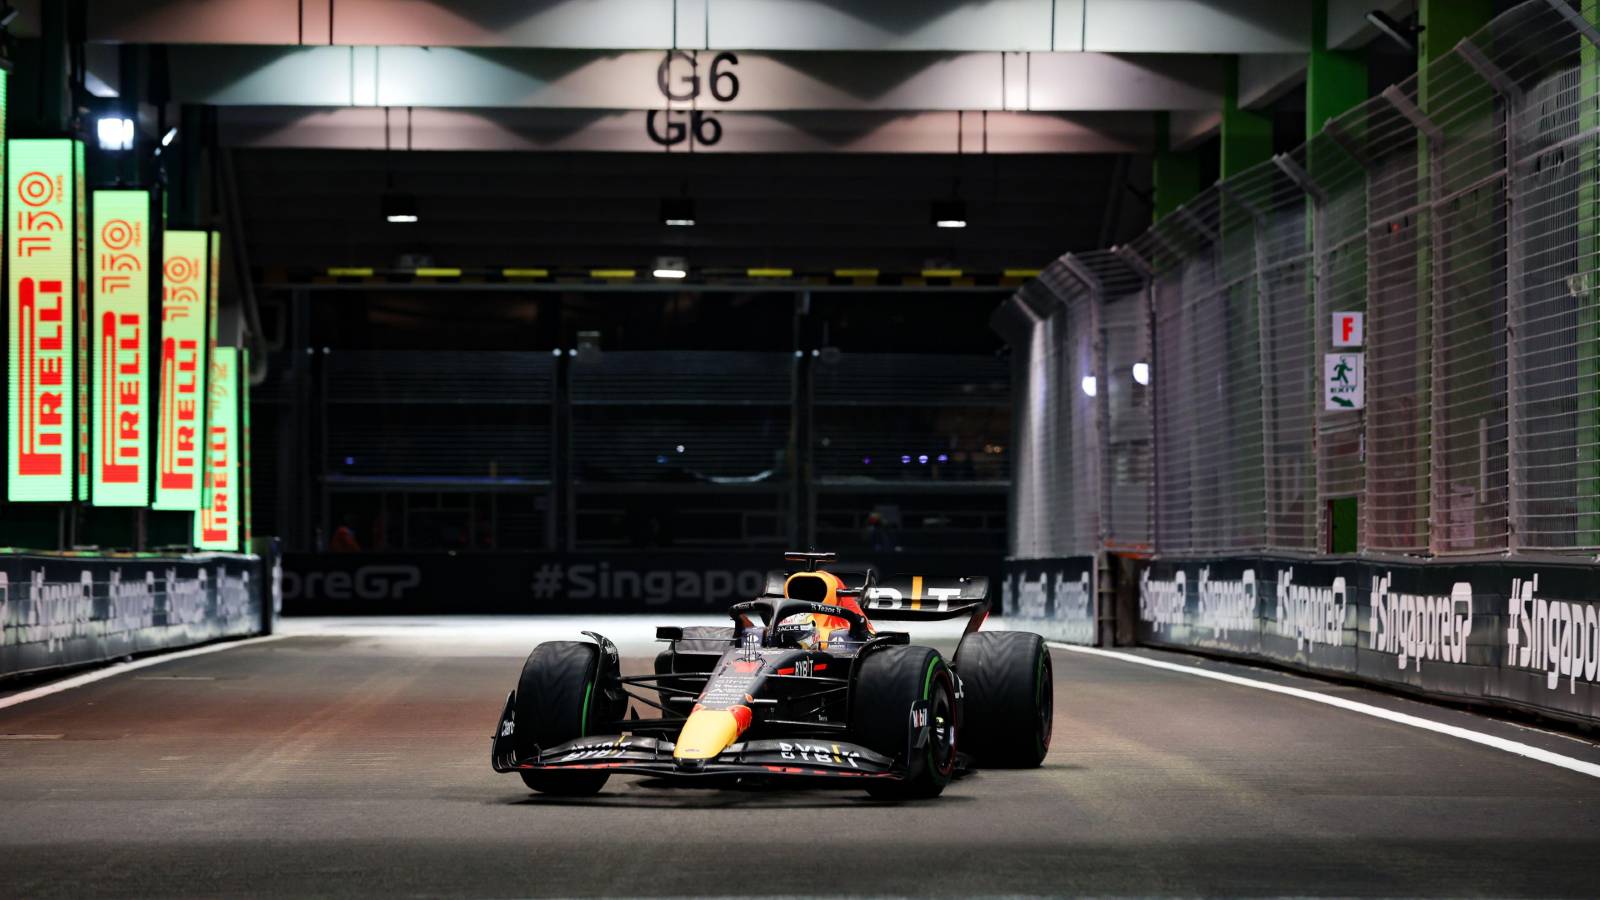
[706, 733]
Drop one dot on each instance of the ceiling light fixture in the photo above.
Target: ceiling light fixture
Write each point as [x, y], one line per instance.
[949, 214]
[399, 208]
[678, 211]
[115, 133]
[671, 267]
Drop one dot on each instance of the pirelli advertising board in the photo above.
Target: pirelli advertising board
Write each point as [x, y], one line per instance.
[185, 333]
[121, 329]
[41, 318]
[80, 245]
[217, 527]
[246, 535]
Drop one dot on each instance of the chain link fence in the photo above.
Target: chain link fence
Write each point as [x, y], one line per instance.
[1188, 394]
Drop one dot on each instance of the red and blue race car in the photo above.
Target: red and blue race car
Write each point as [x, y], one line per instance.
[802, 686]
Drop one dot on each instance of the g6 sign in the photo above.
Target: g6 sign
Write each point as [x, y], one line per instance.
[679, 85]
[707, 130]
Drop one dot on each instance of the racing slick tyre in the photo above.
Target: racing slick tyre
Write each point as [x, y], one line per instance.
[888, 684]
[556, 703]
[1008, 698]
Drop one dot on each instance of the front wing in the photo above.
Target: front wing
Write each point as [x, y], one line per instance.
[642, 755]
[639, 755]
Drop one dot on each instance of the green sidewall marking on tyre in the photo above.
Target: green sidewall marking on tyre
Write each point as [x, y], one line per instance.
[583, 723]
[927, 686]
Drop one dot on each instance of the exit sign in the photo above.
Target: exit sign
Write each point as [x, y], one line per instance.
[1348, 329]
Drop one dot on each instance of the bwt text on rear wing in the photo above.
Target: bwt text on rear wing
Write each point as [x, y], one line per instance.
[929, 598]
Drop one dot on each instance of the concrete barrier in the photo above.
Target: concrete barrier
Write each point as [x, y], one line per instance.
[61, 611]
[695, 581]
[1052, 597]
[1513, 635]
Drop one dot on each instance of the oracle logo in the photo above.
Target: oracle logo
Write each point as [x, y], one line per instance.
[376, 582]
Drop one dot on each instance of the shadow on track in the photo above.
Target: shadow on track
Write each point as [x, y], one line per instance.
[753, 797]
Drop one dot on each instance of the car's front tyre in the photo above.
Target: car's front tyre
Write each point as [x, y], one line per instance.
[557, 701]
[890, 683]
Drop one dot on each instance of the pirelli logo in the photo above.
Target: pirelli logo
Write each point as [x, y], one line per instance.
[40, 254]
[184, 307]
[119, 446]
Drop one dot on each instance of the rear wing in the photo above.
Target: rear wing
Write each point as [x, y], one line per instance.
[929, 598]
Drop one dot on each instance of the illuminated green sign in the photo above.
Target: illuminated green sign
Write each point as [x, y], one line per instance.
[184, 335]
[40, 252]
[245, 499]
[120, 349]
[217, 525]
[81, 269]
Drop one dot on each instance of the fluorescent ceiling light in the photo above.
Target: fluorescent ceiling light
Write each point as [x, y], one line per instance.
[670, 273]
[400, 208]
[949, 214]
[115, 133]
[677, 211]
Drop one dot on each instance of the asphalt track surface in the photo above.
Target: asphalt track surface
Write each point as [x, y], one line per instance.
[352, 760]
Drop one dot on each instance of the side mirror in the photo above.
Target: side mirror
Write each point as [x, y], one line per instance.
[669, 633]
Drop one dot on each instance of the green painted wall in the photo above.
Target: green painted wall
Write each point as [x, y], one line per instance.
[1176, 176]
[1246, 136]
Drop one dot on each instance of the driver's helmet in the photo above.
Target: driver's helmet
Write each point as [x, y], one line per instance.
[815, 631]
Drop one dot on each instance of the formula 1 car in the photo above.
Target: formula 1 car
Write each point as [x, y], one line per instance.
[801, 687]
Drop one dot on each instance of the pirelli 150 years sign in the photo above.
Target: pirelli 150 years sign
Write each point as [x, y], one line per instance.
[121, 331]
[41, 315]
[217, 525]
[184, 335]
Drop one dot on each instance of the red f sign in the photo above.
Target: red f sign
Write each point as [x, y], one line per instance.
[1347, 329]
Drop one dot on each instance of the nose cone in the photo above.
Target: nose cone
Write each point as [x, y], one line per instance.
[706, 733]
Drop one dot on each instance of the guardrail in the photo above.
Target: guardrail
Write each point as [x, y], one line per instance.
[63, 611]
[1524, 636]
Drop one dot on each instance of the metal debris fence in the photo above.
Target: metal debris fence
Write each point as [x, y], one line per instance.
[1170, 392]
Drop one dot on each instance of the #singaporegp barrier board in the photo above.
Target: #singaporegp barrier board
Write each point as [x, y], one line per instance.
[65, 611]
[1518, 635]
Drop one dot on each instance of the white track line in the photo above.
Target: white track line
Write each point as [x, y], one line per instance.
[1466, 734]
[67, 684]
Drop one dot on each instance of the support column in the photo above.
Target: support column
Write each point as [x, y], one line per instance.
[1445, 23]
[38, 105]
[1246, 135]
[1176, 176]
[1587, 482]
[1336, 82]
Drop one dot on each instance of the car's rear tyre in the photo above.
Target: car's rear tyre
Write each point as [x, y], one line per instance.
[558, 701]
[1008, 698]
[889, 682]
